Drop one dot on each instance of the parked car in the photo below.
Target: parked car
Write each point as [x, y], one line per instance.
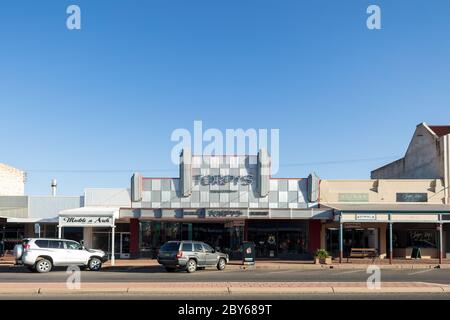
[190, 256]
[42, 255]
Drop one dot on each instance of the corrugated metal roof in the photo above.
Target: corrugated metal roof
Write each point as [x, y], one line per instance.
[432, 208]
[440, 130]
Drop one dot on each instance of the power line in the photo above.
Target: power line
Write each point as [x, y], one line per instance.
[343, 161]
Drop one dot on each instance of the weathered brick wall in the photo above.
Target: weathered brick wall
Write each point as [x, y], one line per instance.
[12, 181]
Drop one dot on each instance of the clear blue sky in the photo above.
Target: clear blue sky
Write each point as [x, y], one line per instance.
[108, 97]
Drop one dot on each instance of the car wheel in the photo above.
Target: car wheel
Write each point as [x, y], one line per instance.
[170, 269]
[222, 264]
[191, 266]
[43, 266]
[95, 264]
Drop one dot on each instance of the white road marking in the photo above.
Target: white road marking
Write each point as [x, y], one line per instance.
[419, 272]
[349, 272]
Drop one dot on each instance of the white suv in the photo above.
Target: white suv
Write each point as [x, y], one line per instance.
[42, 255]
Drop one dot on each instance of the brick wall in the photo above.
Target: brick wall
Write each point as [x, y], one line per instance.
[12, 181]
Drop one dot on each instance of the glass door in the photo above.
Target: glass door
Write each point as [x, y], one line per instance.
[124, 245]
[333, 241]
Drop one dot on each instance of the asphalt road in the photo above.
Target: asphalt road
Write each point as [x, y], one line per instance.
[157, 274]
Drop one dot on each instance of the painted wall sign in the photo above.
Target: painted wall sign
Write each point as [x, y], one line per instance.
[353, 197]
[86, 221]
[224, 180]
[235, 224]
[360, 217]
[224, 213]
[412, 197]
[258, 213]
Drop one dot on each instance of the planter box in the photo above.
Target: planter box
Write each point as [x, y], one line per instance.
[328, 260]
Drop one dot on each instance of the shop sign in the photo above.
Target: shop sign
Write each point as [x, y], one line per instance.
[86, 221]
[235, 224]
[353, 197]
[224, 213]
[37, 228]
[258, 213]
[360, 217]
[224, 180]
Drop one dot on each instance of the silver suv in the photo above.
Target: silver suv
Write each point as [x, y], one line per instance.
[190, 256]
[42, 255]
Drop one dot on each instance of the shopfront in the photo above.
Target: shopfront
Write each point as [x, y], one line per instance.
[96, 227]
[355, 235]
[394, 231]
[223, 201]
[283, 239]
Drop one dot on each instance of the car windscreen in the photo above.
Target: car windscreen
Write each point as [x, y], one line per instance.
[171, 246]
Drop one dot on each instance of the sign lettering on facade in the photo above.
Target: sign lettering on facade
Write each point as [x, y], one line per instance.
[353, 197]
[360, 217]
[224, 213]
[258, 213]
[224, 180]
[86, 221]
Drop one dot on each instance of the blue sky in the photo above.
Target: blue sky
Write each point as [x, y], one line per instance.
[88, 107]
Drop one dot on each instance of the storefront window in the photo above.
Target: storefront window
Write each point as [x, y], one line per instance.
[50, 231]
[352, 238]
[12, 234]
[153, 234]
[422, 238]
[73, 233]
[279, 239]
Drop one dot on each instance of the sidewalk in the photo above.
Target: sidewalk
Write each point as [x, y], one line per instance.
[302, 265]
[287, 265]
[221, 288]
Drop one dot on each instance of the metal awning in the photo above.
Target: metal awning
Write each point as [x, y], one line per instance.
[391, 208]
[32, 220]
[91, 212]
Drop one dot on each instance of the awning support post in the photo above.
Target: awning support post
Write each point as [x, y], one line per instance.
[441, 240]
[113, 240]
[59, 232]
[341, 241]
[391, 246]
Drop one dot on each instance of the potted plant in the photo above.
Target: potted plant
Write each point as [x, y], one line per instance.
[322, 257]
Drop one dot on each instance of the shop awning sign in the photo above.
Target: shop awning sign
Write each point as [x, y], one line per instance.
[90, 221]
[366, 217]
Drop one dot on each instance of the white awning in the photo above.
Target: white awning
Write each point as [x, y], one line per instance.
[89, 217]
[32, 220]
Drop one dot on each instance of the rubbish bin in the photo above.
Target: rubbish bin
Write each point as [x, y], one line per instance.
[249, 253]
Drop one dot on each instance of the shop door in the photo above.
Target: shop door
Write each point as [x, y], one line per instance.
[333, 242]
[124, 245]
